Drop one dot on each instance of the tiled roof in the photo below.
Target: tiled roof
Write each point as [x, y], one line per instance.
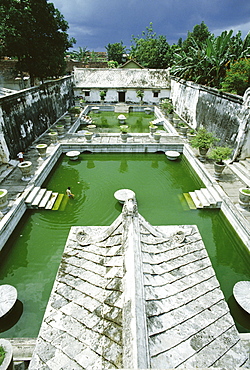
[136, 296]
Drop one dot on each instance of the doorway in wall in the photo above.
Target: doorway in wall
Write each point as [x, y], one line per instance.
[121, 96]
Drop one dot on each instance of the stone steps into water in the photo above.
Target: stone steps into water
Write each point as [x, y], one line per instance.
[51, 201]
[39, 198]
[32, 194]
[58, 202]
[203, 198]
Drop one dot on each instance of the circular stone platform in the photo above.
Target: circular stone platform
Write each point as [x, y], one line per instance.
[172, 155]
[73, 155]
[8, 297]
[241, 292]
[123, 194]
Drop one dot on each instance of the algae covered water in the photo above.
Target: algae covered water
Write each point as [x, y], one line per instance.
[107, 122]
[33, 253]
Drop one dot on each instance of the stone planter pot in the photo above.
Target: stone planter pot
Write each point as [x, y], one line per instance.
[3, 198]
[244, 198]
[124, 137]
[7, 363]
[176, 122]
[157, 137]
[67, 122]
[60, 130]
[41, 148]
[153, 129]
[88, 136]
[121, 119]
[91, 128]
[25, 168]
[183, 131]
[203, 153]
[53, 137]
[218, 168]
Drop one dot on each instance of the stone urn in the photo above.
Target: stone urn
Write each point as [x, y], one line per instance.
[67, 122]
[88, 136]
[124, 137]
[203, 153]
[3, 198]
[157, 136]
[244, 198]
[121, 119]
[53, 137]
[25, 168]
[60, 130]
[183, 130]
[218, 169]
[153, 129]
[91, 128]
[7, 363]
[41, 148]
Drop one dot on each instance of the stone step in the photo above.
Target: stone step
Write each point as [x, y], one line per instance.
[208, 196]
[45, 199]
[38, 198]
[58, 202]
[203, 200]
[52, 200]
[22, 348]
[189, 200]
[215, 195]
[241, 172]
[31, 196]
[196, 200]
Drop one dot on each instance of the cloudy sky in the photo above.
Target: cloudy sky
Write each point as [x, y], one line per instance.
[95, 23]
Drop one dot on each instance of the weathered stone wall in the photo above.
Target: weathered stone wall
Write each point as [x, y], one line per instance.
[26, 114]
[218, 112]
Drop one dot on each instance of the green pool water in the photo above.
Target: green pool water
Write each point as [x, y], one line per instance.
[108, 122]
[33, 253]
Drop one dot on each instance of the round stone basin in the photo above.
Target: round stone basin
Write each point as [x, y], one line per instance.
[123, 194]
[172, 155]
[73, 155]
[241, 292]
[8, 297]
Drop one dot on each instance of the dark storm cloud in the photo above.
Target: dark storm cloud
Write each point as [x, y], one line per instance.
[95, 23]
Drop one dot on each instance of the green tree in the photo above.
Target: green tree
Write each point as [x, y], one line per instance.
[150, 50]
[115, 52]
[206, 60]
[81, 55]
[200, 34]
[237, 78]
[34, 32]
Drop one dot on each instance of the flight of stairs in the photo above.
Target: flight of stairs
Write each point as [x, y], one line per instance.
[41, 198]
[203, 198]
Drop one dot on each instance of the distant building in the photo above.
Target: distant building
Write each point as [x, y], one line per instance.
[121, 84]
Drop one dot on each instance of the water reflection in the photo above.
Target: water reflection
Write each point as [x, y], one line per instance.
[12, 317]
[241, 317]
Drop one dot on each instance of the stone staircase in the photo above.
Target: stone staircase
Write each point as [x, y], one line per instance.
[242, 170]
[41, 198]
[203, 198]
